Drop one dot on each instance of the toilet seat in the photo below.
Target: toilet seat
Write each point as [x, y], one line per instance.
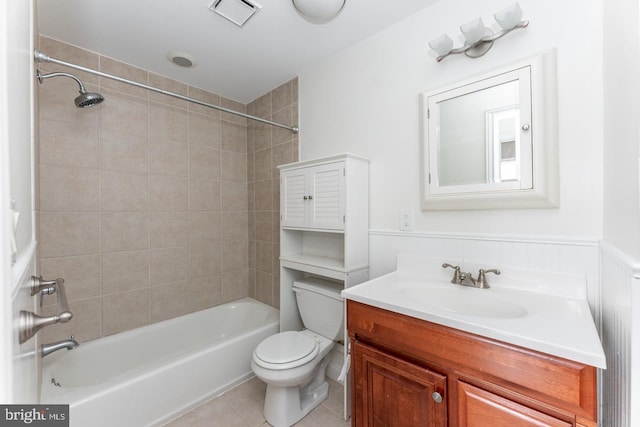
[286, 350]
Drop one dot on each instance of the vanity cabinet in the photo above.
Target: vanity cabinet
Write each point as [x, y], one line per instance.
[324, 232]
[400, 360]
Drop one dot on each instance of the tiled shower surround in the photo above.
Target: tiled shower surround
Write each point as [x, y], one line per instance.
[152, 207]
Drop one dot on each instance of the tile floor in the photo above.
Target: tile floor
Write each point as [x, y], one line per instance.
[242, 407]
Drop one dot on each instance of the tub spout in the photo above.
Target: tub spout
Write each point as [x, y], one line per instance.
[69, 344]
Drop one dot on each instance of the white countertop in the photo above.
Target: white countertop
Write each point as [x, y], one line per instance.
[542, 311]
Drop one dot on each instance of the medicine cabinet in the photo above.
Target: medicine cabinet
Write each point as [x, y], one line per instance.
[491, 141]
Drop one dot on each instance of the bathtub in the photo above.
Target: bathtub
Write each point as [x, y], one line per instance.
[150, 375]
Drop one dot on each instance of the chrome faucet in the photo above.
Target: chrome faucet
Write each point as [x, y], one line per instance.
[482, 279]
[466, 279]
[457, 274]
[70, 344]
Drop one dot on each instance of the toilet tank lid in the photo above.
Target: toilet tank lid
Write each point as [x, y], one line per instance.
[320, 286]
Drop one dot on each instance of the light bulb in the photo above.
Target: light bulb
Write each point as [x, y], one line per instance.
[442, 45]
[509, 17]
[473, 31]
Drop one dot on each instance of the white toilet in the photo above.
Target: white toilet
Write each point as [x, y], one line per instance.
[293, 363]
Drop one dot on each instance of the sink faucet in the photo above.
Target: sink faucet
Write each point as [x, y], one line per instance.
[457, 274]
[482, 279]
[69, 344]
[466, 279]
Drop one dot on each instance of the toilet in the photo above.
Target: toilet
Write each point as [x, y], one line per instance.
[293, 363]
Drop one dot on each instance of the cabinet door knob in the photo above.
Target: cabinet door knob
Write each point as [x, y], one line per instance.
[310, 197]
[437, 397]
[305, 197]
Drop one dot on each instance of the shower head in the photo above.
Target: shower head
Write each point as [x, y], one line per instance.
[88, 99]
[85, 99]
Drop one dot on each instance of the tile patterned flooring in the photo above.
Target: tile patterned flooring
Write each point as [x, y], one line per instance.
[242, 407]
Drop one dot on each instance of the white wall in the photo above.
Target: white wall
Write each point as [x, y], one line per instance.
[622, 125]
[621, 207]
[365, 100]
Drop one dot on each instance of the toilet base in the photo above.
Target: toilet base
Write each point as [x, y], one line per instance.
[285, 406]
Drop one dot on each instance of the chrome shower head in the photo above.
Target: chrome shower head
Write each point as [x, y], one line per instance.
[85, 99]
[88, 99]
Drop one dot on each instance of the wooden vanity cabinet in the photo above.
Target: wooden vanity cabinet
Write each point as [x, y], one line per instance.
[393, 392]
[410, 372]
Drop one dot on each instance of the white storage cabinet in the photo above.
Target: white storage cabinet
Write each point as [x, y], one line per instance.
[324, 232]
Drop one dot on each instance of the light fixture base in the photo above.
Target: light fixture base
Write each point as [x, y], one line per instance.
[481, 47]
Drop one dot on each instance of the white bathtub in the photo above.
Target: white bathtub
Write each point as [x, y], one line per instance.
[150, 375]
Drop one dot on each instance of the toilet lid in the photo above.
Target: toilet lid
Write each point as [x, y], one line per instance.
[289, 348]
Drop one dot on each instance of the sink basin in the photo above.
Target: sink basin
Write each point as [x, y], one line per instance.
[539, 310]
[465, 301]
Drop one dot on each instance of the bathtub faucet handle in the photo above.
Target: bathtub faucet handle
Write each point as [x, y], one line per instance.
[29, 323]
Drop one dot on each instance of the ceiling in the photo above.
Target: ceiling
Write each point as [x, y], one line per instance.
[240, 63]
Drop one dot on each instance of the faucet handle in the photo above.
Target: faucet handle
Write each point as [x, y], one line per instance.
[482, 279]
[457, 276]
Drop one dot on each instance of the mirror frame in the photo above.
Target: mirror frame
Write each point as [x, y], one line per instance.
[544, 189]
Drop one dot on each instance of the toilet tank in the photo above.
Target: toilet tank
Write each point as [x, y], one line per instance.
[320, 306]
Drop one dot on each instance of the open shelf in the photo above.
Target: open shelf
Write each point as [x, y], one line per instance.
[325, 266]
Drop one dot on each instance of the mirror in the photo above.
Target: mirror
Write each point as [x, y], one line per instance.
[490, 142]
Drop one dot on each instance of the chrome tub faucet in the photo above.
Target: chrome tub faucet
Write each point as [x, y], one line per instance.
[70, 344]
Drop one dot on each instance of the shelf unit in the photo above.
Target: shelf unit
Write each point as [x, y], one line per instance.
[324, 226]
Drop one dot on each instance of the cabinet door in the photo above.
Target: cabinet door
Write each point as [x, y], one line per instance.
[391, 392]
[480, 408]
[326, 206]
[294, 196]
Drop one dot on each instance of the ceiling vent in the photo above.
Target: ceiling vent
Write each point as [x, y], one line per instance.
[236, 11]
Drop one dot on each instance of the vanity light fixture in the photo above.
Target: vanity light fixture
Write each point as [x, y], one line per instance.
[478, 38]
[318, 11]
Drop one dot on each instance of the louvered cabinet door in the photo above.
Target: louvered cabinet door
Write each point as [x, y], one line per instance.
[314, 197]
[326, 192]
[294, 201]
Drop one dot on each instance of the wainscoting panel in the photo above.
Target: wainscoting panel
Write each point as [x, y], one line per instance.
[528, 252]
[619, 291]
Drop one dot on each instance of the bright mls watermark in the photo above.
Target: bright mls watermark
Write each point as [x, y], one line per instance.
[34, 415]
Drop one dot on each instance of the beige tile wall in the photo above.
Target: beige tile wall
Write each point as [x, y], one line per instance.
[267, 148]
[145, 201]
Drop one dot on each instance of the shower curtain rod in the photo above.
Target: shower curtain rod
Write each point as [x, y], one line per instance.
[42, 57]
